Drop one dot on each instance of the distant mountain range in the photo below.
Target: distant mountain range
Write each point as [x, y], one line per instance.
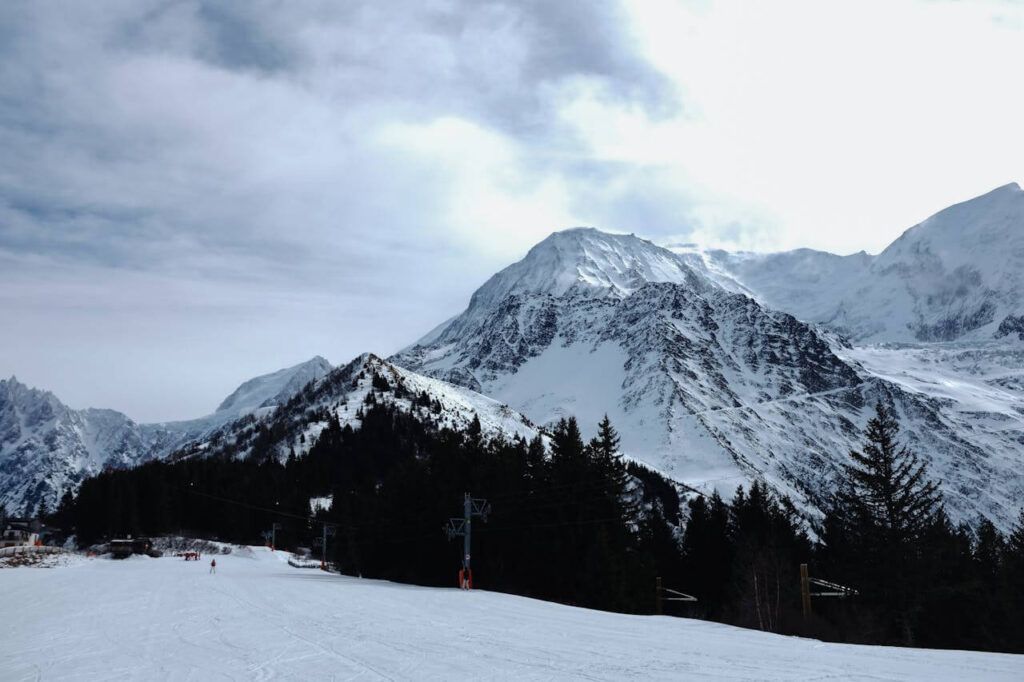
[958, 275]
[717, 368]
[47, 447]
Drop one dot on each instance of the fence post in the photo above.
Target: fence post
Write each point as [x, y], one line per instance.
[805, 591]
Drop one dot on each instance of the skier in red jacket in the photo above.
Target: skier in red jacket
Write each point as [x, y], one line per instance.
[213, 566]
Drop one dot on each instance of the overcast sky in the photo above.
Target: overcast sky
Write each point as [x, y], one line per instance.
[194, 193]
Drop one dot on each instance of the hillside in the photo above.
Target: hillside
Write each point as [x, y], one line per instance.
[342, 395]
[717, 368]
[706, 384]
[259, 618]
[47, 448]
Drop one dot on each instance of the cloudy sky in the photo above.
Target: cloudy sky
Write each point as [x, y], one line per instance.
[193, 193]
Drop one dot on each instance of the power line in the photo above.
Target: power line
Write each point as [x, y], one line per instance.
[309, 520]
[554, 524]
[239, 503]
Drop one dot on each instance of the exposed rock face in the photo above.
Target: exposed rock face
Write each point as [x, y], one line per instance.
[705, 384]
[47, 448]
[1011, 324]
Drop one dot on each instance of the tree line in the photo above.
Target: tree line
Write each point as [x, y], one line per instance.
[573, 522]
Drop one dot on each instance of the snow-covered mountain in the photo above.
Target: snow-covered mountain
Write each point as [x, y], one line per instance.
[959, 275]
[272, 389]
[717, 368]
[343, 394]
[47, 448]
[705, 383]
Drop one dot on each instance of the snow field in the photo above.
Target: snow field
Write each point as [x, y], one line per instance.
[258, 618]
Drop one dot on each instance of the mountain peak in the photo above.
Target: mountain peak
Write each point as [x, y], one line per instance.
[581, 237]
[586, 260]
[980, 232]
[16, 389]
[269, 389]
[1008, 187]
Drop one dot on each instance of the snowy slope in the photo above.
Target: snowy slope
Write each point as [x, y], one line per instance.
[938, 314]
[272, 389]
[259, 618]
[47, 448]
[957, 275]
[706, 385]
[582, 262]
[342, 395]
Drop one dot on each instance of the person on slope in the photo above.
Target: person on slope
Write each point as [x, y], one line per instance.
[213, 566]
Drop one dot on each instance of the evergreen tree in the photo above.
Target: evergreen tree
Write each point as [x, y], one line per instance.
[536, 469]
[767, 543]
[380, 382]
[1012, 582]
[889, 504]
[610, 470]
[64, 516]
[607, 441]
[890, 494]
[475, 431]
[707, 555]
[567, 450]
[1015, 542]
[577, 525]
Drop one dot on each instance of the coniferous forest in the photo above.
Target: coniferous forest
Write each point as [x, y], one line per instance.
[571, 521]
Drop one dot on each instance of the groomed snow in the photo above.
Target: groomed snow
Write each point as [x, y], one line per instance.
[258, 618]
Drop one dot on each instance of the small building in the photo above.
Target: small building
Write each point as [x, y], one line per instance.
[18, 537]
[19, 533]
[124, 548]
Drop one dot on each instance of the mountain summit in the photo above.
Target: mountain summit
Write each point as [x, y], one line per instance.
[274, 388]
[705, 384]
[956, 275]
[581, 262]
[586, 260]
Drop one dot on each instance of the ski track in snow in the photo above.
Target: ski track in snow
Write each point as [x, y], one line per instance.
[260, 619]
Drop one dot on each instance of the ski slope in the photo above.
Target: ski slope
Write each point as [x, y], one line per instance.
[259, 618]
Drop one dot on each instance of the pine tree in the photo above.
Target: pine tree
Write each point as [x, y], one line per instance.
[475, 430]
[1013, 586]
[535, 462]
[891, 505]
[767, 542]
[989, 547]
[65, 510]
[567, 443]
[380, 382]
[707, 555]
[890, 493]
[607, 441]
[1015, 541]
[610, 469]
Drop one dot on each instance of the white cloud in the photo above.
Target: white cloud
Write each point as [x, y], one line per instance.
[502, 203]
[269, 181]
[838, 124]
